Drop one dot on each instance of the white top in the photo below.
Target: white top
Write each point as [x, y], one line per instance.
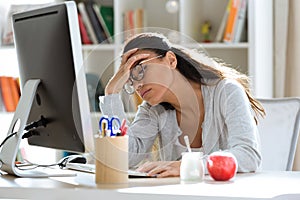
[228, 125]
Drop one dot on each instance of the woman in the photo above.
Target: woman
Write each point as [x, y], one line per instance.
[184, 93]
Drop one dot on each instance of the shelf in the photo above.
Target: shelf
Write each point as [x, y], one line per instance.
[7, 47]
[84, 47]
[98, 47]
[111, 47]
[243, 45]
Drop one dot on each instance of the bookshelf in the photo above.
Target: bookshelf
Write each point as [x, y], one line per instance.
[252, 56]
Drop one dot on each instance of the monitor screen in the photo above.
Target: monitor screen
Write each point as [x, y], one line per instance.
[53, 84]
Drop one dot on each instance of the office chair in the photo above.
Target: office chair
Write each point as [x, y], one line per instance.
[279, 132]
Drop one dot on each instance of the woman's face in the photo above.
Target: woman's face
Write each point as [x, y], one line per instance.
[157, 79]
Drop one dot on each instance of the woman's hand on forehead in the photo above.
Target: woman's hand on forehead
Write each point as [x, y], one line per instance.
[128, 54]
[131, 57]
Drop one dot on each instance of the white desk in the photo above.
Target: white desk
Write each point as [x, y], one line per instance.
[264, 185]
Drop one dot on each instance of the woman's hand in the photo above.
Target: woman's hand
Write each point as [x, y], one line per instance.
[117, 82]
[161, 168]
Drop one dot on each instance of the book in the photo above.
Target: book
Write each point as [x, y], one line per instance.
[2, 106]
[129, 24]
[133, 22]
[17, 80]
[231, 21]
[6, 94]
[14, 91]
[102, 23]
[125, 25]
[220, 33]
[241, 20]
[87, 22]
[83, 32]
[99, 32]
[107, 12]
[10, 93]
[139, 20]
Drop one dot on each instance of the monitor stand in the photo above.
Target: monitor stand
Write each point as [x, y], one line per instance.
[10, 149]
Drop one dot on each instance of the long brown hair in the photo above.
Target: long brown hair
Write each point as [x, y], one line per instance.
[194, 65]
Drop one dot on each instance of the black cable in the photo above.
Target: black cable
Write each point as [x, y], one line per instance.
[32, 126]
[41, 122]
[9, 136]
[29, 134]
[29, 165]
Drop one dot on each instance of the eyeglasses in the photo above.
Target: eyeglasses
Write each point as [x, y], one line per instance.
[137, 74]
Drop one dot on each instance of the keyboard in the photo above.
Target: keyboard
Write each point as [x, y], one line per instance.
[90, 168]
[44, 172]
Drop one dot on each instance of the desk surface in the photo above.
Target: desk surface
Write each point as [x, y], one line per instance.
[263, 185]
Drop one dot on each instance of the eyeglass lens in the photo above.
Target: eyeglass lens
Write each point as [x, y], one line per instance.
[137, 73]
[128, 87]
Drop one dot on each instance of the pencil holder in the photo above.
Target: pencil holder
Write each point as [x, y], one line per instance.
[111, 159]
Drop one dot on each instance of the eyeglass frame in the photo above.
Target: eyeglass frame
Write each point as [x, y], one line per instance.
[132, 78]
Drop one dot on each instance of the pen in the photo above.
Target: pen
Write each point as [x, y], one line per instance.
[109, 126]
[118, 133]
[123, 127]
[103, 128]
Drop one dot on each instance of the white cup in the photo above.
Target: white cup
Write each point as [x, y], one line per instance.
[192, 167]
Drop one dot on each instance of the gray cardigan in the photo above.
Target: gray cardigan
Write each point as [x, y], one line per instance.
[228, 125]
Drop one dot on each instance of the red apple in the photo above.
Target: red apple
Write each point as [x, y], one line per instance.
[221, 165]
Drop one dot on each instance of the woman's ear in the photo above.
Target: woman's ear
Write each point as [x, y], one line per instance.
[171, 59]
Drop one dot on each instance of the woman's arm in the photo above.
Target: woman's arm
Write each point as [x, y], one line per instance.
[116, 83]
[243, 139]
[142, 131]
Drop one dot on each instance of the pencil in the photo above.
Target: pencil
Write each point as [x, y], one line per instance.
[103, 128]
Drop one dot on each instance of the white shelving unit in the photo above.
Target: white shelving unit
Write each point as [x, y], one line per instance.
[253, 57]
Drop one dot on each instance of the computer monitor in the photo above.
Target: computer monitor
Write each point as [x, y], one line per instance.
[53, 84]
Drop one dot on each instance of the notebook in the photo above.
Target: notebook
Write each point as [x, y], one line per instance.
[90, 168]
